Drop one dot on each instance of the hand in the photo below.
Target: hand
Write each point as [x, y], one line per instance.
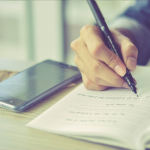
[100, 67]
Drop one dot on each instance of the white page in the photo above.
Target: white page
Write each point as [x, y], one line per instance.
[115, 113]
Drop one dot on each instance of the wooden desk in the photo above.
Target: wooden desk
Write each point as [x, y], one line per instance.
[14, 135]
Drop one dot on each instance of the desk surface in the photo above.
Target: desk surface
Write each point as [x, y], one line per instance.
[14, 135]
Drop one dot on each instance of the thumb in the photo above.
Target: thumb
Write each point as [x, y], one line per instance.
[128, 50]
[129, 53]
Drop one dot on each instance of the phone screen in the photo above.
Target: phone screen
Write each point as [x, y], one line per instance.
[34, 81]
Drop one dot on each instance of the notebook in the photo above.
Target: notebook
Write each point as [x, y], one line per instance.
[114, 117]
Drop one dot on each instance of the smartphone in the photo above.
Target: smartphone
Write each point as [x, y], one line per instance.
[36, 83]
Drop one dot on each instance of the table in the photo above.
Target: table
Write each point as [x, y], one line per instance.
[14, 135]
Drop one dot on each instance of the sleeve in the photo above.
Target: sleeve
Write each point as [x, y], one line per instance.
[136, 20]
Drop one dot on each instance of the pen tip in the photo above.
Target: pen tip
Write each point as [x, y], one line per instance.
[137, 95]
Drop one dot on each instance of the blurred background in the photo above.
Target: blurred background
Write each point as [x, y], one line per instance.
[39, 30]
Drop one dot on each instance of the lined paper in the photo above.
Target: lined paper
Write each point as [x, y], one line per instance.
[115, 114]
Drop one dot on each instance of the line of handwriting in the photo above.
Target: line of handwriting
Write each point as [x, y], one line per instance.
[90, 121]
[96, 114]
[109, 105]
[112, 97]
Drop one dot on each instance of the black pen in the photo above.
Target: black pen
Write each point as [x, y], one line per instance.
[109, 40]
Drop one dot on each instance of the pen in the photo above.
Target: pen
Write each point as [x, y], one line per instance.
[109, 41]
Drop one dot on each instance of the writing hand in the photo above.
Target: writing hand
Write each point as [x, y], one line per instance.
[100, 67]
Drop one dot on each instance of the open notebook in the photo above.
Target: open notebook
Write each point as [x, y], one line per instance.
[115, 117]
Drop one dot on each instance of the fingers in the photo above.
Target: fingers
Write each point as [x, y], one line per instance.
[100, 67]
[82, 67]
[128, 49]
[97, 48]
[93, 68]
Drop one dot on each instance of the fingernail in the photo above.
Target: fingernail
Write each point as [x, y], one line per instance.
[131, 63]
[125, 85]
[120, 70]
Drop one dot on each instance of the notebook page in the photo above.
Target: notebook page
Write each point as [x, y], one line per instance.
[115, 113]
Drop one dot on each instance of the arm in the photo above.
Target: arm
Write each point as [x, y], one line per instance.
[100, 68]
